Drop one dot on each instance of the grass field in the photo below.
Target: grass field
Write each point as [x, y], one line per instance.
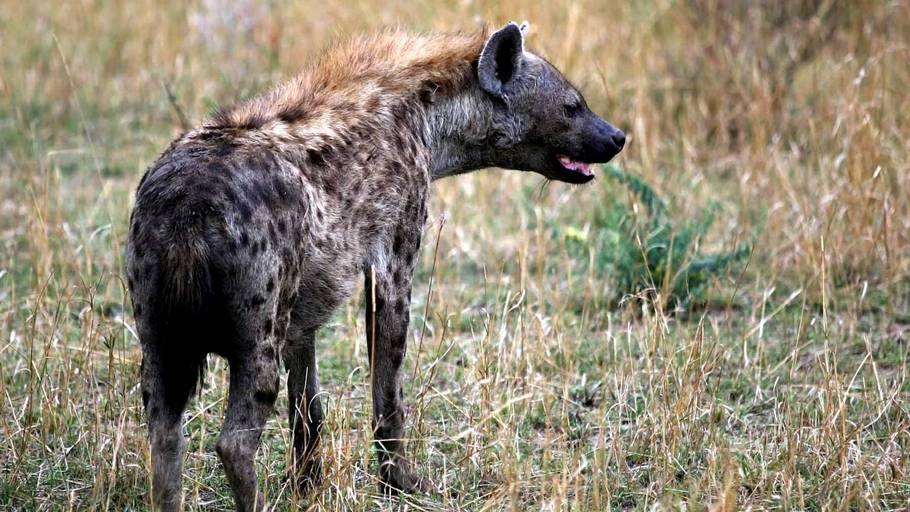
[533, 384]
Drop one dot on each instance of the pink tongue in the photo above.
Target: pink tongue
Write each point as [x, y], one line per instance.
[574, 165]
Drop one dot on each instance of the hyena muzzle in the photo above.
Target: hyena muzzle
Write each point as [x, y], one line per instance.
[250, 230]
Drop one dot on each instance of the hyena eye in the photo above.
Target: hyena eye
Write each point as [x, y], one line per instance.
[572, 109]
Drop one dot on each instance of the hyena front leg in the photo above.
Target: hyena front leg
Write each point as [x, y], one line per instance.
[304, 407]
[388, 292]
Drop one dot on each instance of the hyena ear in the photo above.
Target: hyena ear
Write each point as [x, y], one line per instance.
[500, 59]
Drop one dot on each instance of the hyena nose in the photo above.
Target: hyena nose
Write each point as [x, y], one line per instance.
[619, 139]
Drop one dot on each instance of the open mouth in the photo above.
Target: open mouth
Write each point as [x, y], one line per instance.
[567, 169]
[580, 167]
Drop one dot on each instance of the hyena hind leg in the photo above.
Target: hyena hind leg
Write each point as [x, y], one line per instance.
[305, 414]
[167, 383]
[253, 390]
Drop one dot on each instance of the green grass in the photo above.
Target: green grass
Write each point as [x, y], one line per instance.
[637, 249]
[551, 374]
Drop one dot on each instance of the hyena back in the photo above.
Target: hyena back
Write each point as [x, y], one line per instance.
[249, 231]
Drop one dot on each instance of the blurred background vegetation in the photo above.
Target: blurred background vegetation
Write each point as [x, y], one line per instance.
[549, 369]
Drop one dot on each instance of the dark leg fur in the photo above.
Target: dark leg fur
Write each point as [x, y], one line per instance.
[167, 383]
[387, 326]
[254, 388]
[305, 414]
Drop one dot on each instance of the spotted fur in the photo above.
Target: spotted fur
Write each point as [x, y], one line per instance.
[248, 232]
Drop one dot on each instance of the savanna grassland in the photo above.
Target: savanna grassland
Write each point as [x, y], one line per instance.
[541, 375]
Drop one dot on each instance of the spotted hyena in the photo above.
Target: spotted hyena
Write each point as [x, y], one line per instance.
[249, 231]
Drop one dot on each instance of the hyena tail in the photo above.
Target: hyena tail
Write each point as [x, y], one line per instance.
[186, 276]
[185, 296]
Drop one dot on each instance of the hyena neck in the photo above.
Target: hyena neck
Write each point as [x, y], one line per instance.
[457, 132]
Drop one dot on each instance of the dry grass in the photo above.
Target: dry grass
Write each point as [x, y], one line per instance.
[789, 390]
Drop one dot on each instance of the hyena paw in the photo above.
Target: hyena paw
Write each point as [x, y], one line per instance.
[308, 477]
[397, 477]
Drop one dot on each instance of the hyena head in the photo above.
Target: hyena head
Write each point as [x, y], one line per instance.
[539, 121]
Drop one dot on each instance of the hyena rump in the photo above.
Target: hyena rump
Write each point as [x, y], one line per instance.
[250, 230]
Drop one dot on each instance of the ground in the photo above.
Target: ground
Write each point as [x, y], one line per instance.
[784, 385]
